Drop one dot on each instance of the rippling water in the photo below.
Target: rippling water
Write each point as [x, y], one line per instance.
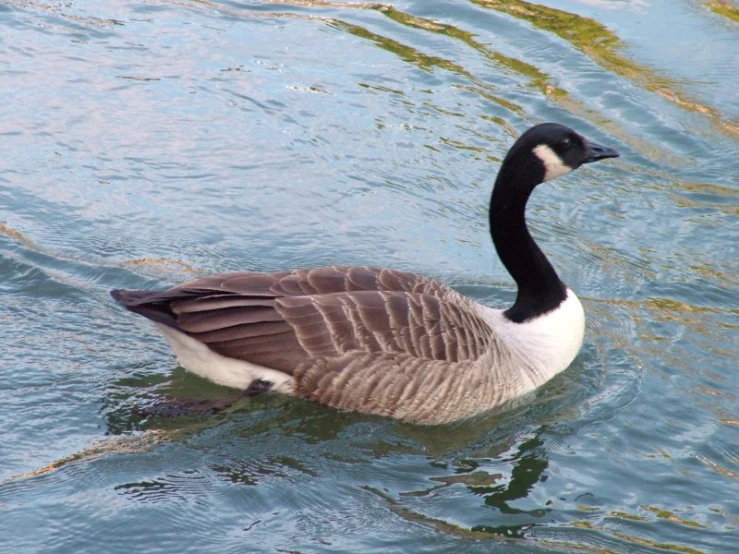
[144, 143]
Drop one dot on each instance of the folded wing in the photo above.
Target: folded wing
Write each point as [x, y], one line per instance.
[288, 320]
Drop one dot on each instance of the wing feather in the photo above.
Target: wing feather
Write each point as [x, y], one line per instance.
[291, 320]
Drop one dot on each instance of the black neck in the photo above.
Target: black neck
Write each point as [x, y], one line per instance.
[539, 288]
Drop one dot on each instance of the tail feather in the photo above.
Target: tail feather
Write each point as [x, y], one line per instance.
[153, 305]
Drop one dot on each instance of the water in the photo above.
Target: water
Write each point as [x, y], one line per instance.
[145, 143]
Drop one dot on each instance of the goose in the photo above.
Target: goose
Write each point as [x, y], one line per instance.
[388, 342]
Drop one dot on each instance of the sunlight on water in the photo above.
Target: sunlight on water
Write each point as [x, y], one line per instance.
[148, 143]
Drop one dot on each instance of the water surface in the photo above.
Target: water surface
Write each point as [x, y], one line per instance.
[147, 143]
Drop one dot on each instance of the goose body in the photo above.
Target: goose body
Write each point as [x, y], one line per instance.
[384, 341]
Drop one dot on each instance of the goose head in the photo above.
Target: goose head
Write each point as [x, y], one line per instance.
[550, 150]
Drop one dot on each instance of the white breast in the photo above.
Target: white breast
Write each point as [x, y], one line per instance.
[542, 347]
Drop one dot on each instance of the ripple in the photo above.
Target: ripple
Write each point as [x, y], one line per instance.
[145, 144]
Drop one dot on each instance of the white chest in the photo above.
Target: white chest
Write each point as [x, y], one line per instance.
[542, 347]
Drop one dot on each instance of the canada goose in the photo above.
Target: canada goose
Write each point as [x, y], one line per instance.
[383, 341]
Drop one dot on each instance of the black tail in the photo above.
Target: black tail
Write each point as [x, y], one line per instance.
[153, 305]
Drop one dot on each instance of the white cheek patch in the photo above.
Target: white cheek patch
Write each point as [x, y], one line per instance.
[553, 164]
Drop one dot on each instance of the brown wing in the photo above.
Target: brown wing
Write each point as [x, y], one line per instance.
[286, 319]
[322, 280]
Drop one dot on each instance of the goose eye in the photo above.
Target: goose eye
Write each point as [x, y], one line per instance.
[566, 144]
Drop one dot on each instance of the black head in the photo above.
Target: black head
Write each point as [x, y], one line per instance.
[558, 149]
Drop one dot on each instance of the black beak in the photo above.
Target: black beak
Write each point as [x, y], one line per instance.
[595, 152]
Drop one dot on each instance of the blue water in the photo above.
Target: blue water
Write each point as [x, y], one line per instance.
[143, 144]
